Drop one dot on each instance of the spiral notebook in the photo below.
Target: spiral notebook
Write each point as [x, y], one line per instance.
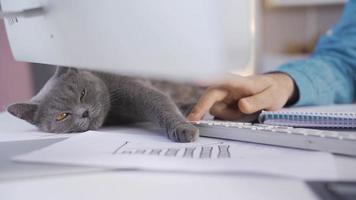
[309, 118]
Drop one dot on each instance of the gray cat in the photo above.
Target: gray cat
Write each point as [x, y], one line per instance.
[79, 100]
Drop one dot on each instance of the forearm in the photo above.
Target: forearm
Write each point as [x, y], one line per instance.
[319, 80]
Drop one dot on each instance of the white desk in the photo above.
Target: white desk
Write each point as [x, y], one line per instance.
[35, 181]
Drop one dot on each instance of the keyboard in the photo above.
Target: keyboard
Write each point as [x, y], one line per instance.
[339, 142]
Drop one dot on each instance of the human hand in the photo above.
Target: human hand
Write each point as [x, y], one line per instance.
[239, 96]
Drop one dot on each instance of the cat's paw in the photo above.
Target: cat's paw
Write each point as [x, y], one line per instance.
[184, 132]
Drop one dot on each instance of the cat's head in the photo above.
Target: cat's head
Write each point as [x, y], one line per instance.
[71, 101]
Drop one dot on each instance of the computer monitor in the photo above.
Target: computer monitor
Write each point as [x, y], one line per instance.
[179, 39]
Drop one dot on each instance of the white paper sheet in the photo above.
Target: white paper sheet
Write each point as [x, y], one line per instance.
[11, 136]
[14, 129]
[139, 149]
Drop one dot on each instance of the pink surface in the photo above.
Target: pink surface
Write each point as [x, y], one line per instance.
[15, 77]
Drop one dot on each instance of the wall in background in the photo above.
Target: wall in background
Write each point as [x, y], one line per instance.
[40, 74]
[285, 25]
[15, 77]
[285, 29]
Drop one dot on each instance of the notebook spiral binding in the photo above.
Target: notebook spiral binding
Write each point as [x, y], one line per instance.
[309, 119]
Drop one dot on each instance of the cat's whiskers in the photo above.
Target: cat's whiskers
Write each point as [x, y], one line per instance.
[109, 102]
[96, 109]
[100, 105]
[114, 97]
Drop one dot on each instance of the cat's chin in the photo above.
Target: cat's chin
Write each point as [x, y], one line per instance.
[95, 124]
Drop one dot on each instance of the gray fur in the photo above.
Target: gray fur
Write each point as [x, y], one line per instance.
[109, 99]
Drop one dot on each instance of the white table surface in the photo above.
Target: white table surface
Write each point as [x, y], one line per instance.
[39, 181]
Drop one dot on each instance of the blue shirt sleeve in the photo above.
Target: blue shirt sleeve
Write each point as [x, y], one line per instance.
[329, 75]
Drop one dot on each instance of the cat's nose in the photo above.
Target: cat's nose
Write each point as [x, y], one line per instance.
[85, 114]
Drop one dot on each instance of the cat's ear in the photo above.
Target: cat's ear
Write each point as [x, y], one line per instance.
[64, 70]
[25, 111]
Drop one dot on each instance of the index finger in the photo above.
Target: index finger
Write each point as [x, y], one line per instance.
[205, 102]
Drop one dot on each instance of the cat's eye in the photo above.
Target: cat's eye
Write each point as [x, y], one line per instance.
[62, 116]
[82, 94]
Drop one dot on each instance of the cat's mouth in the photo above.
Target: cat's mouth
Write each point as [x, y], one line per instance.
[90, 123]
[84, 125]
